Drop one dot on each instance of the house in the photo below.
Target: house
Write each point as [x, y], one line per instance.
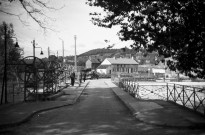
[92, 63]
[118, 65]
[151, 71]
[104, 69]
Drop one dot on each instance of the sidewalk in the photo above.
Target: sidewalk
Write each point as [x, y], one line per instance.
[158, 112]
[15, 114]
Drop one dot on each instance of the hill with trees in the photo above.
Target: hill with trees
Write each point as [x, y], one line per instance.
[102, 53]
[107, 52]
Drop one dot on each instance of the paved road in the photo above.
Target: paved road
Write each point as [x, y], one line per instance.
[98, 112]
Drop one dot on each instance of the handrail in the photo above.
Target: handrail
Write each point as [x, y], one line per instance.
[184, 95]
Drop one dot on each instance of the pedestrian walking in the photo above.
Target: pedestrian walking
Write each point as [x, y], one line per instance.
[80, 78]
[72, 77]
[84, 76]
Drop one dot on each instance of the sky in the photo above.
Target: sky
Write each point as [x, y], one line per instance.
[72, 19]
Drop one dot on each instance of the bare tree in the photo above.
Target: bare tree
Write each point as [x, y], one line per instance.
[36, 9]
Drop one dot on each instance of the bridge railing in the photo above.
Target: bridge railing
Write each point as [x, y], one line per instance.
[187, 96]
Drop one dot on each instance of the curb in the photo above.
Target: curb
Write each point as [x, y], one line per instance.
[134, 113]
[76, 99]
[27, 118]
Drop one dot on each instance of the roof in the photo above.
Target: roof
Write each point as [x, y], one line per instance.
[94, 60]
[121, 61]
[103, 66]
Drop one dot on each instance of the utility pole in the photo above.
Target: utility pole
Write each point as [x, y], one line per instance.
[75, 54]
[48, 52]
[34, 48]
[63, 50]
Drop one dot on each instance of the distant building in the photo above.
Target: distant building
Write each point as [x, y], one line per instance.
[157, 71]
[118, 65]
[92, 63]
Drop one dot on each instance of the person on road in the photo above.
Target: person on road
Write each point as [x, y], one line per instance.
[72, 77]
[80, 78]
[84, 76]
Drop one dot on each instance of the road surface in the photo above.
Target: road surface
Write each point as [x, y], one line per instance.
[97, 112]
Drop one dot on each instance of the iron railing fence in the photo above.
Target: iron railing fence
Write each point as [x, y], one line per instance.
[187, 96]
[15, 92]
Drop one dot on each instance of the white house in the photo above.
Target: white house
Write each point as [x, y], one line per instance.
[118, 65]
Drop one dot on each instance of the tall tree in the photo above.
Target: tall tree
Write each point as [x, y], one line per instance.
[173, 28]
[13, 54]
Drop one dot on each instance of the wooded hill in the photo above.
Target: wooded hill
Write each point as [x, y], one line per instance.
[100, 54]
[104, 51]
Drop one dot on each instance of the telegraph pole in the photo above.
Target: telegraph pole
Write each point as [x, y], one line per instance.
[48, 52]
[34, 48]
[75, 37]
[63, 50]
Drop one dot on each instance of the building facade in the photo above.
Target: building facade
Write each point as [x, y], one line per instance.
[92, 63]
[118, 65]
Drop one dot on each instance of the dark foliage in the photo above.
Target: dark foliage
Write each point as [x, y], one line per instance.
[173, 28]
[13, 54]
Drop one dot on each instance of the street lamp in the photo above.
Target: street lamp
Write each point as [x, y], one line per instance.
[75, 37]
[34, 47]
[16, 45]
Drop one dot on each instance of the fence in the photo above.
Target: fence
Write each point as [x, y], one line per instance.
[187, 96]
[15, 92]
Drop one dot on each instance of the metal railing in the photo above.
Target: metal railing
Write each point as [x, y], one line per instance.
[15, 92]
[187, 96]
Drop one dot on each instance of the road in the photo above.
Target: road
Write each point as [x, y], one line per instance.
[98, 112]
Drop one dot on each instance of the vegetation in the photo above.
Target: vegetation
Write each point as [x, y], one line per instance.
[173, 28]
[103, 51]
[99, 52]
[13, 54]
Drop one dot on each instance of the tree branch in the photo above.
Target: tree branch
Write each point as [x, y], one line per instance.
[16, 15]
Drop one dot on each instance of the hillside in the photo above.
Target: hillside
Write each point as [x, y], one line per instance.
[98, 52]
[103, 53]
[111, 52]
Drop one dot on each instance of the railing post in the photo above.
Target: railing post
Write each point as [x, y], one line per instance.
[174, 93]
[194, 98]
[25, 85]
[134, 94]
[183, 95]
[167, 92]
[138, 91]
